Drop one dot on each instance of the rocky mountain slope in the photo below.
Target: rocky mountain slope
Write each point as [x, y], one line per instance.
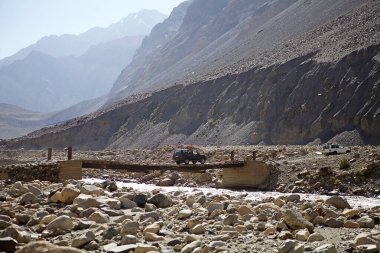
[309, 87]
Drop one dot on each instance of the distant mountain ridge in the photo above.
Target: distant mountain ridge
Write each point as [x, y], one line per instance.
[135, 24]
[253, 72]
[58, 72]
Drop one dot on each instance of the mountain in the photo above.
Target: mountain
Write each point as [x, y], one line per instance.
[135, 24]
[242, 72]
[60, 71]
[44, 83]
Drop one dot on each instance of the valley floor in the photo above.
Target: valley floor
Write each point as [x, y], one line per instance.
[111, 211]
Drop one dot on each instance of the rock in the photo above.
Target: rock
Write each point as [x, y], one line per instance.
[28, 198]
[285, 235]
[175, 241]
[184, 214]
[369, 248]
[326, 248]
[230, 220]
[310, 214]
[366, 222]
[152, 237]
[68, 194]
[122, 249]
[363, 239]
[130, 228]
[5, 218]
[350, 213]
[270, 231]
[214, 206]
[112, 186]
[293, 198]
[161, 200]
[144, 248]
[279, 202]
[338, 202]
[22, 218]
[198, 229]
[55, 197]
[34, 190]
[351, 224]
[150, 207]
[240, 229]
[294, 220]
[302, 235]
[334, 223]
[16, 233]
[244, 210]
[113, 203]
[166, 182]
[91, 190]
[82, 240]
[140, 199]
[216, 244]
[91, 246]
[4, 224]
[153, 228]
[48, 218]
[86, 201]
[110, 232]
[8, 244]
[62, 223]
[319, 220]
[189, 248]
[315, 237]
[126, 203]
[99, 217]
[43, 246]
[298, 249]
[129, 239]
[287, 246]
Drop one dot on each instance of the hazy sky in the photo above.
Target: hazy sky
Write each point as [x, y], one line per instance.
[23, 22]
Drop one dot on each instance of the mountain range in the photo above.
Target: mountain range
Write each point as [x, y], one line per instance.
[221, 72]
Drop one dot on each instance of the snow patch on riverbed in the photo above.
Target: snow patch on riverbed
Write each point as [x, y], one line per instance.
[355, 201]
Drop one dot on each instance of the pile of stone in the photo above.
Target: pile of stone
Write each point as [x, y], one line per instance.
[76, 217]
[32, 171]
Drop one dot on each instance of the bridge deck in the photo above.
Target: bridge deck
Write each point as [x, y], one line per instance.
[104, 164]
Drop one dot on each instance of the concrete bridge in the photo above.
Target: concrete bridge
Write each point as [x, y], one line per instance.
[249, 173]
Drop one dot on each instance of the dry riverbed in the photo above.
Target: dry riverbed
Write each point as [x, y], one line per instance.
[113, 212]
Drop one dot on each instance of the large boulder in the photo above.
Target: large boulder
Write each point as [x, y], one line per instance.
[294, 220]
[91, 190]
[338, 202]
[126, 203]
[61, 223]
[68, 194]
[161, 200]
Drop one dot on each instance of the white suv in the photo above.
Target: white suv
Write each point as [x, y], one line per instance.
[334, 149]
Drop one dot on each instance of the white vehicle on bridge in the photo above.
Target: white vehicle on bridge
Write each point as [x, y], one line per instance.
[334, 149]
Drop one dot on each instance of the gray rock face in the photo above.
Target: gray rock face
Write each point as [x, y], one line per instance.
[338, 202]
[161, 200]
[294, 220]
[63, 223]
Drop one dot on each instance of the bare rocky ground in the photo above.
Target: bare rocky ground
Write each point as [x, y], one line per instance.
[75, 216]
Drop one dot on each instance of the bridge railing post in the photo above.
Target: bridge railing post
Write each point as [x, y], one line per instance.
[69, 153]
